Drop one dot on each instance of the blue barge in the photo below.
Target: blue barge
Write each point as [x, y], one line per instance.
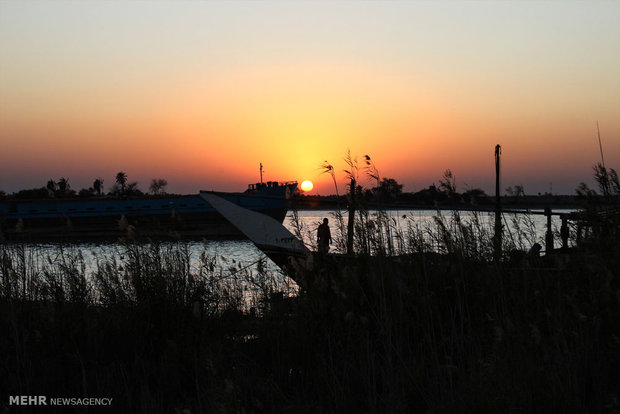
[156, 217]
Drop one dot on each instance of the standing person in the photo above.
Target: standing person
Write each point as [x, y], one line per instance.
[324, 236]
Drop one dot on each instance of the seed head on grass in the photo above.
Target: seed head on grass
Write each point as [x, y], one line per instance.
[371, 169]
[327, 168]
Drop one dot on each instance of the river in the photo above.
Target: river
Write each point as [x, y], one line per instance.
[521, 230]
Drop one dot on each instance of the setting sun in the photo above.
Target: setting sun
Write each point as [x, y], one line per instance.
[307, 185]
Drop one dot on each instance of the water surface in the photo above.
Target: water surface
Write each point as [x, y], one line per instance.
[231, 255]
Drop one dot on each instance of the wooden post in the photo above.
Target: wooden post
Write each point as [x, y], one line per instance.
[564, 232]
[549, 233]
[351, 222]
[497, 237]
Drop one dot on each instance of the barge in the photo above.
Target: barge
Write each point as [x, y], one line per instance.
[144, 217]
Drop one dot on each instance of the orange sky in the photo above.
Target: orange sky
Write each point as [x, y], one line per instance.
[200, 93]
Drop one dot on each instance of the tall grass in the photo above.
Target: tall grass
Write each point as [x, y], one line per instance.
[145, 327]
[453, 332]
[429, 323]
[425, 323]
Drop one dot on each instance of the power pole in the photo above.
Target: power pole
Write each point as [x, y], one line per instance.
[497, 237]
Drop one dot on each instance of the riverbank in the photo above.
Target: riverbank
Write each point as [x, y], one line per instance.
[422, 332]
[411, 202]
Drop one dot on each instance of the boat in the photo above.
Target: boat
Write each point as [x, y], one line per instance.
[143, 217]
[269, 235]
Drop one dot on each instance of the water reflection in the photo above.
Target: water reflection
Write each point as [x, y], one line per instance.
[230, 255]
[522, 230]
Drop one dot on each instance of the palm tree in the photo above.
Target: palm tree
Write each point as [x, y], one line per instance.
[63, 185]
[121, 180]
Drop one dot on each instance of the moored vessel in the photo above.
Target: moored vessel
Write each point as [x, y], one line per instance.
[157, 217]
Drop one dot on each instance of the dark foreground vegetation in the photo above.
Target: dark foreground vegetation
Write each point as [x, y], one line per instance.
[439, 327]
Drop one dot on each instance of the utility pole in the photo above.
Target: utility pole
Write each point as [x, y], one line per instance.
[497, 237]
[261, 174]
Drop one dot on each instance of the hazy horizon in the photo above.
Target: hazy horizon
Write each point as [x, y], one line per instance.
[186, 188]
[199, 93]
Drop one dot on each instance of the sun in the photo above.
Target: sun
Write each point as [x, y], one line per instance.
[307, 185]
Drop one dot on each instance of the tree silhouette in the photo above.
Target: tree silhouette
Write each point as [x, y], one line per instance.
[51, 185]
[98, 186]
[388, 189]
[121, 180]
[63, 186]
[448, 183]
[51, 188]
[474, 195]
[158, 186]
[133, 190]
[516, 191]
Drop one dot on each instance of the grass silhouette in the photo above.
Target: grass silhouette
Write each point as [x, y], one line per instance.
[420, 319]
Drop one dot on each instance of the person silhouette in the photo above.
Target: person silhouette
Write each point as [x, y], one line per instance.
[324, 236]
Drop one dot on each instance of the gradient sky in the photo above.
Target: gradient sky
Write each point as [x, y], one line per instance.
[201, 92]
